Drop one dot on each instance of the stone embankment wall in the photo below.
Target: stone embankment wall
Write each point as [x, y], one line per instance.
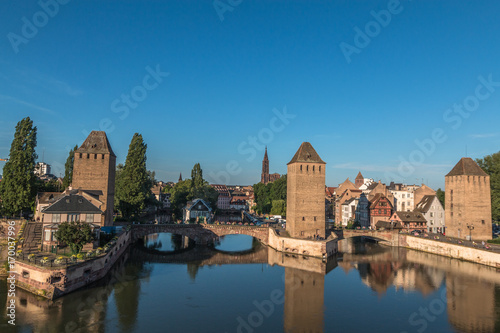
[53, 282]
[479, 256]
[304, 247]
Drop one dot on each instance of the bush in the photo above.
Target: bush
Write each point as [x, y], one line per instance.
[494, 241]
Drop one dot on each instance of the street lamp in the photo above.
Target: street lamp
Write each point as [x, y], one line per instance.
[470, 227]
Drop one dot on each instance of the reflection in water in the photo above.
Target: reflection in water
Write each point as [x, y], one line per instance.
[149, 292]
[235, 243]
[304, 292]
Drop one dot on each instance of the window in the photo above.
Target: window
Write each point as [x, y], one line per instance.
[380, 211]
[95, 156]
[56, 218]
[432, 214]
[303, 218]
[307, 168]
[451, 213]
[315, 219]
[89, 218]
[88, 156]
[482, 221]
[301, 167]
[320, 168]
[47, 235]
[80, 155]
[73, 217]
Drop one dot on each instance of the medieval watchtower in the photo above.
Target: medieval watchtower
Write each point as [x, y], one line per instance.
[306, 194]
[94, 170]
[468, 201]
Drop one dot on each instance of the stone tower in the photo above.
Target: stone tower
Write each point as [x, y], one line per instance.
[468, 201]
[264, 177]
[94, 170]
[306, 194]
[360, 180]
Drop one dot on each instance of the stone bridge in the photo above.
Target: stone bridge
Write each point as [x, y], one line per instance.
[202, 234]
[387, 237]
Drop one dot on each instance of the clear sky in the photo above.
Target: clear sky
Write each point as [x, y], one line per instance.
[213, 82]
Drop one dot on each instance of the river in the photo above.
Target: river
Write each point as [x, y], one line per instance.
[167, 284]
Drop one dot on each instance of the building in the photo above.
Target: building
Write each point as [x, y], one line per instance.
[197, 210]
[433, 212]
[349, 210]
[411, 221]
[238, 203]
[380, 209]
[360, 180]
[265, 177]
[71, 206]
[224, 198]
[363, 211]
[42, 169]
[421, 191]
[468, 201]
[347, 195]
[94, 169]
[306, 193]
[404, 199]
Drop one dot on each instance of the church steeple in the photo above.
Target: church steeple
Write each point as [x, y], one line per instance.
[264, 177]
[180, 177]
[360, 180]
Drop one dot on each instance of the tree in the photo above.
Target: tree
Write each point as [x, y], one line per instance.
[278, 207]
[265, 195]
[133, 187]
[17, 188]
[491, 165]
[440, 195]
[75, 235]
[68, 168]
[197, 177]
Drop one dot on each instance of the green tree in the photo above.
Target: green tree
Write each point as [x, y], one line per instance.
[440, 195]
[491, 165]
[75, 235]
[278, 207]
[133, 186]
[17, 188]
[68, 168]
[266, 194]
[180, 195]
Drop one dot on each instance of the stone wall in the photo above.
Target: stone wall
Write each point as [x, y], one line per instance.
[304, 247]
[460, 252]
[53, 282]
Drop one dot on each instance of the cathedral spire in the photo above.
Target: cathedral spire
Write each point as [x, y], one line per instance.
[180, 177]
[264, 177]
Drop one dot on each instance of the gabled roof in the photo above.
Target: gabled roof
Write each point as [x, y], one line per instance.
[306, 154]
[377, 198]
[414, 216]
[72, 203]
[190, 204]
[96, 143]
[360, 176]
[467, 166]
[425, 204]
[348, 201]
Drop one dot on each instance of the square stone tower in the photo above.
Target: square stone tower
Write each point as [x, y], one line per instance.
[94, 170]
[468, 201]
[305, 211]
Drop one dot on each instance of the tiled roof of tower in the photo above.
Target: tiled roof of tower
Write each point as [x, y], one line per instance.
[306, 154]
[467, 166]
[96, 143]
[359, 176]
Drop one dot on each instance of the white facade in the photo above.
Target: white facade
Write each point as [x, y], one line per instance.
[42, 169]
[404, 200]
[349, 211]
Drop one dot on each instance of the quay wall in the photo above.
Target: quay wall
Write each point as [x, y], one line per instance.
[456, 251]
[53, 282]
[303, 247]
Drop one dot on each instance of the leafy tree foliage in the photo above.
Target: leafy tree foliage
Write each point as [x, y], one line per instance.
[190, 189]
[440, 195]
[75, 235]
[17, 188]
[48, 186]
[68, 168]
[491, 165]
[278, 207]
[265, 195]
[133, 185]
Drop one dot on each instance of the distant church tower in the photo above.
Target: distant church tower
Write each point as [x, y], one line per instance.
[306, 193]
[360, 180]
[94, 170]
[264, 177]
[180, 177]
[468, 201]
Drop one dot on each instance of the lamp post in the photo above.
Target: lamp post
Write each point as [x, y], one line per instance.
[470, 227]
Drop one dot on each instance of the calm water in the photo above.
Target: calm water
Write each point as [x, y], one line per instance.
[167, 284]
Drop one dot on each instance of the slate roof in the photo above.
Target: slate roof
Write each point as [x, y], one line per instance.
[467, 166]
[414, 216]
[425, 204]
[306, 154]
[72, 203]
[96, 143]
[190, 204]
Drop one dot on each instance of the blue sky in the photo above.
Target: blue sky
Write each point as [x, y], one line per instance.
[226, 69]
